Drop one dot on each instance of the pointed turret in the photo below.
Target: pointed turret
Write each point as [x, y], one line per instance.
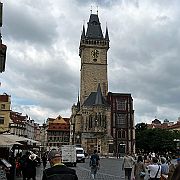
[83, 33]
[94, 28]
[99, 97]
[78, 103]
[95, 98]
[107, 34]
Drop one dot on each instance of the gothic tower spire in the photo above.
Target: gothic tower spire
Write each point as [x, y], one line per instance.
[93, 53]
[107, 35]
[83, 33]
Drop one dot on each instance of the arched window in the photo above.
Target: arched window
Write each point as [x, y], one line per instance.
[90, 121]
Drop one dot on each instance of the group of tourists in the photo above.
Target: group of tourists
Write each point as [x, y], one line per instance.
[26, 166]
[156, 168]
[140, 167]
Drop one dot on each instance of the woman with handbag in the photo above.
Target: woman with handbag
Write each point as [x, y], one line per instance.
[154, 169]
[139, 169]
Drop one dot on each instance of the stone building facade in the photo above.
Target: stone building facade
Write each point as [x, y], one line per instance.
[5, 109]
[122, 122]
[93, 53]
[91, 119]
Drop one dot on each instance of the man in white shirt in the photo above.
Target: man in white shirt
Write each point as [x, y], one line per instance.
[154, 169]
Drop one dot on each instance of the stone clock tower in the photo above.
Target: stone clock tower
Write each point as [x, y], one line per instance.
[93, 53]
[100, 120]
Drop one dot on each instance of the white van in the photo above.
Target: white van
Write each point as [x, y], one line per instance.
[80, 154]
[69, 154]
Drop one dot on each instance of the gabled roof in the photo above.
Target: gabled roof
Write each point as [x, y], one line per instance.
[96, 98]
[94, 28]
[17, 118]
[59, 120]
[4, 98]
[99, 97]
[175, 126]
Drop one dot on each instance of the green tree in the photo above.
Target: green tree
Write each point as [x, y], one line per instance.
[157, 140]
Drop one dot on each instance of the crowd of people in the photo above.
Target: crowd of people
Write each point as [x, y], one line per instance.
[26, 165]
[156, 167]
[139, 167]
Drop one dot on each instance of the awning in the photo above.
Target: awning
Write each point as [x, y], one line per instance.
[7, 142]
[21, 139]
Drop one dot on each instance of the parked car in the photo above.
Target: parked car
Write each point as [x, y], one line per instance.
[80, 154]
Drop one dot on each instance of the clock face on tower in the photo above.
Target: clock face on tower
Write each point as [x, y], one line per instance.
[95, 53]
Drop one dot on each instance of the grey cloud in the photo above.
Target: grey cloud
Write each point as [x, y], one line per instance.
[28, 24]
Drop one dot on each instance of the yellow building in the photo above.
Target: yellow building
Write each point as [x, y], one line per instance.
[5, 108]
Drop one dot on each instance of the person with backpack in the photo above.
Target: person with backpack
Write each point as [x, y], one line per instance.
[94, 164]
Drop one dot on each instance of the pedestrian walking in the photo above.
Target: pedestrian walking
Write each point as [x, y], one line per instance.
[58, 171]
[31, 167]
[176, 174]
[127, 165]
[94, 164]
[44, 160]
[154, 169]
[23, 161]
[139, 169]
[171, 171]
[164, 166]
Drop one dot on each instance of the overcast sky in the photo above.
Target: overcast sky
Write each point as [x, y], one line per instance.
[43, 66]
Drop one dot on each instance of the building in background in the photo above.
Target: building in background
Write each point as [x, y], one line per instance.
[43, 137]
[156, 123]
[17, 123]
[36, 132]
[58, 132]
[122, 122]
[5, 109]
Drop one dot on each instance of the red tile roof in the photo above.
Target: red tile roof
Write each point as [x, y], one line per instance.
[175, 126]
[4, 98]
[17, 118]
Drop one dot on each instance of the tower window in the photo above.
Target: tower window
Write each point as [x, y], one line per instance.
[1, 120]
[121, 134]
[90, 122]
[120, 120]
[3, 106]
[121, 104]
